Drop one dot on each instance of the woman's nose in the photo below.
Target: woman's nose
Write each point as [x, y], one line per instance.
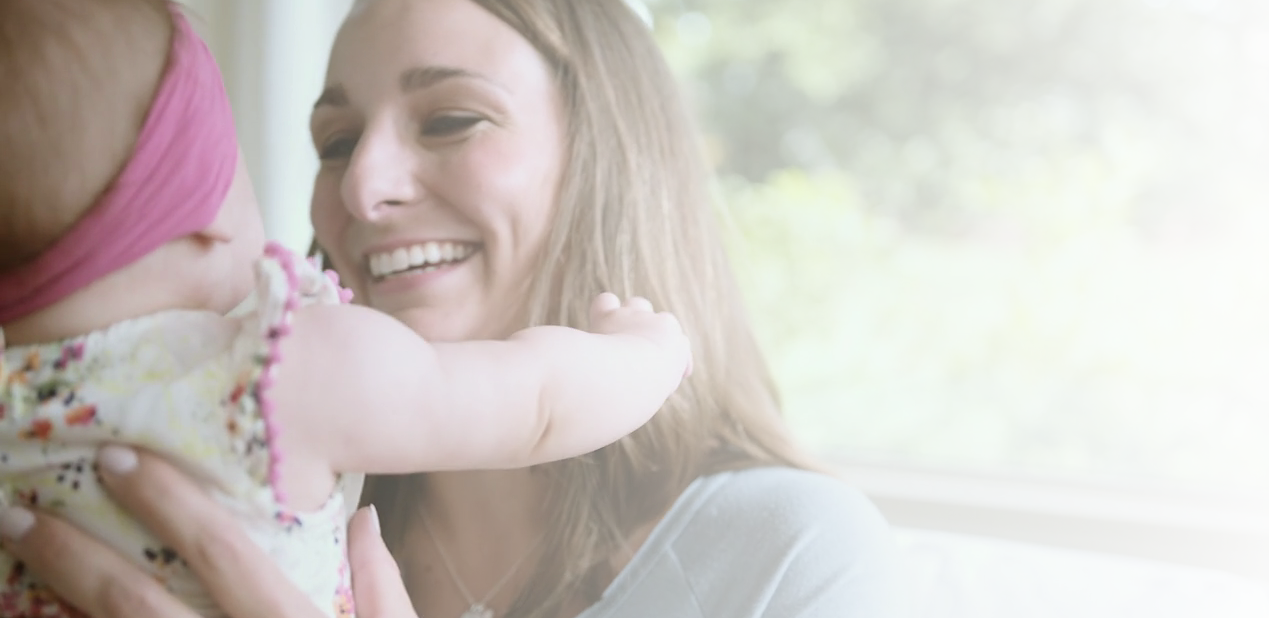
[381, 173]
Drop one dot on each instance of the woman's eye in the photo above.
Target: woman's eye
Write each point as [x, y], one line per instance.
[338, 148]
[442, 126]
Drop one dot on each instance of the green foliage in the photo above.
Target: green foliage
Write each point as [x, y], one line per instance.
[1000, 233]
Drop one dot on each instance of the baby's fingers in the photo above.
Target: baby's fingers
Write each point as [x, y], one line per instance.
[677, 328]
[603, 305]
[639, 303]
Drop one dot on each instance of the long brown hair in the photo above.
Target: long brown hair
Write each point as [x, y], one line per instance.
[635, 216]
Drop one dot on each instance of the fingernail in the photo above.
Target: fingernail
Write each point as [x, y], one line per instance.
[117, 459]
[16, 522]
[374, 519]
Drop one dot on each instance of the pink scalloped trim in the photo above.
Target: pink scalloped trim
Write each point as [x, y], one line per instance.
[345, 294]
[274, 336]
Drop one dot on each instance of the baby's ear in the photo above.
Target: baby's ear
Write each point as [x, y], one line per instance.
[218, 231]
[225, 226]
[239, 214]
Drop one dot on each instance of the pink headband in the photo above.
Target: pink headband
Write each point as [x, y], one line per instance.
[174, 184]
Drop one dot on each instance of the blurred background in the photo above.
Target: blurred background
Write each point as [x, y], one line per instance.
[995, 233]
[1009, 261]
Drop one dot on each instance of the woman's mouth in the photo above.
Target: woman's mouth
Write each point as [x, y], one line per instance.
[420, 258]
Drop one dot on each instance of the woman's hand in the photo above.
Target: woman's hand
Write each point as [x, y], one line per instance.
[90, 575]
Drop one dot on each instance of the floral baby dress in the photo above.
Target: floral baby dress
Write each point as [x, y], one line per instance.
[193, 386]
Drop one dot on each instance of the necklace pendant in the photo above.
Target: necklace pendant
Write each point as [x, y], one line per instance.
[478, 610]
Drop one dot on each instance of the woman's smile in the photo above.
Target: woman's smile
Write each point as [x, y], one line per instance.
[417, 258]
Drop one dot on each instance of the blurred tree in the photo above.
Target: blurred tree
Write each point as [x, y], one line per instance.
[1000, 233]
[929, 101]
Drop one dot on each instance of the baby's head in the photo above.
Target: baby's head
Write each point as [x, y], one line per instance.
[76, 81]
[117, 140]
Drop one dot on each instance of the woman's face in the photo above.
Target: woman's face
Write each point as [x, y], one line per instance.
[441, 139]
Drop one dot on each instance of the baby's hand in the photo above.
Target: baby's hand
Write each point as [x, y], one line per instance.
[608, 316]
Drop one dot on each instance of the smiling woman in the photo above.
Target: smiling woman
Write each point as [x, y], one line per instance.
[410, 149]
[546, 142]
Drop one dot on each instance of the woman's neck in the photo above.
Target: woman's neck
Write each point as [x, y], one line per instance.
[490, 526]
[510, 502]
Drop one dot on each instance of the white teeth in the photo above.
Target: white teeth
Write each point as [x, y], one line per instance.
[400, 259]
[428, 255]
[382, 263]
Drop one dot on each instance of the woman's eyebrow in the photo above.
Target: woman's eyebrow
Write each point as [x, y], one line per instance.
[418, 78]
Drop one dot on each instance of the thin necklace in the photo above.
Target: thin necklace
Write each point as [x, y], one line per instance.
[477, 609]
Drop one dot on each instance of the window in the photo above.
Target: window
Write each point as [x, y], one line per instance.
[273, 56]
[1010, 263]
[990, 233]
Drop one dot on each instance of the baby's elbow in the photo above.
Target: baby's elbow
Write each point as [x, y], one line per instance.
[541, 431]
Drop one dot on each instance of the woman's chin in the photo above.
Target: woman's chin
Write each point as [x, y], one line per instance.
[438, 323]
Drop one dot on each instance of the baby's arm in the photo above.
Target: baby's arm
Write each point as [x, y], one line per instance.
[359, 391]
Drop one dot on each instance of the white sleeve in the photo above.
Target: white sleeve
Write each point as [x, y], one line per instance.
[785, 543]
[844, 565]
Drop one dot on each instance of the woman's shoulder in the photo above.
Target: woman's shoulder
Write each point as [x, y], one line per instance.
[808, 543]
[783, 500]
[770, 541]
[784, 482]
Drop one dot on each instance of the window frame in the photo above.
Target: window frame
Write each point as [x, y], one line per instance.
[1224, 531]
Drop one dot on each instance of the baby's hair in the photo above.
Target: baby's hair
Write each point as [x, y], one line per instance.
[76, 81]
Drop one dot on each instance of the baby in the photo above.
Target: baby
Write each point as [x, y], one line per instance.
[128, 233]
